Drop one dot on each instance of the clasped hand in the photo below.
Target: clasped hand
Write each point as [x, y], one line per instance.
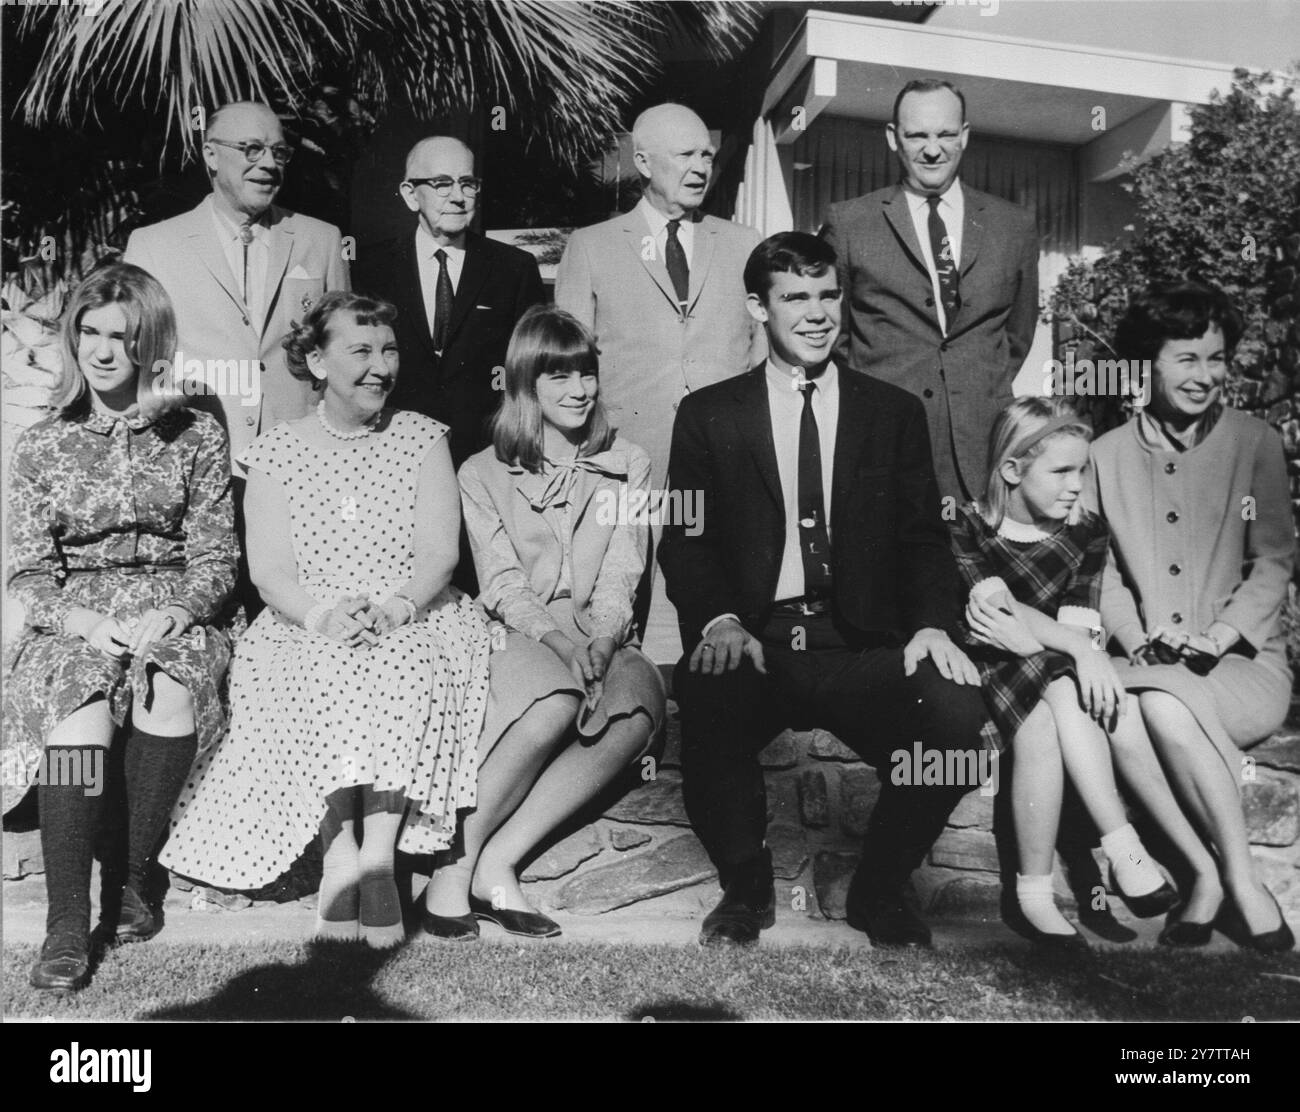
[122, 637]
[360, 623]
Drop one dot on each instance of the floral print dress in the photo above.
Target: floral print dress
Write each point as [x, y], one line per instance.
[118, 515]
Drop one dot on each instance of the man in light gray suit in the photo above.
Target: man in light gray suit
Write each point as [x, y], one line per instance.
[940, 284]
[238, 270]
[662, 289]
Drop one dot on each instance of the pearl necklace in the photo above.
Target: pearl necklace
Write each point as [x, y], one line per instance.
[363, 431]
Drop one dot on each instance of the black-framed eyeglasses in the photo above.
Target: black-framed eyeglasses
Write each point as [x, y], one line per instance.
[442, 186]
[253, 151]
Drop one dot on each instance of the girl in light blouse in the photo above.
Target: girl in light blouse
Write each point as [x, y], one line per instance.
[123, 557]
[559, 563]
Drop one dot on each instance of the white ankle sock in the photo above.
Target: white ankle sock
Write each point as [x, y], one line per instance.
[1135, 872]
[1038, 904]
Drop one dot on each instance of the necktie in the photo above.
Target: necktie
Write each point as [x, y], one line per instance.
[675, 257]
[246, 237]
[442, 298]
[814, 541]
[945, 263]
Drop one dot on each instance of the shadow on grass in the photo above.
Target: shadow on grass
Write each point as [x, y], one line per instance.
[332, 985]
[682, 1011]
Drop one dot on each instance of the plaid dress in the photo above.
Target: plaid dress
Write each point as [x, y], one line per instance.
[1059, 575]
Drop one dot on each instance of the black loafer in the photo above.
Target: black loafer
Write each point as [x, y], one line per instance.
[1277, 941]
[1165, 898]
[64, 965]
[890, 922]
[739, 917]
[1016, 920]
[137, 921]
[1185, 935]
[526, 924]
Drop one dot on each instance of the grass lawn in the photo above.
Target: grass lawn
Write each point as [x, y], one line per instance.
[289, 980]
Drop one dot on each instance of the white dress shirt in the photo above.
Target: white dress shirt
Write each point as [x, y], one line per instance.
[952, 208]
[785, 405]
[425, 249]
[658, 223]
[259, 260]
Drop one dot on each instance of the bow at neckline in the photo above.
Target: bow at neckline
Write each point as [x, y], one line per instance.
[555, 486]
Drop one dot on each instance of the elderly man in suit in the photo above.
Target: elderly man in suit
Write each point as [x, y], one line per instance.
[820, 591]
[942, 284]
[661, 288]
[458, 294]
[239, 269]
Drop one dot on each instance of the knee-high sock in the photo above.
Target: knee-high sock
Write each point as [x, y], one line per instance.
[156, 768]
[69, 815]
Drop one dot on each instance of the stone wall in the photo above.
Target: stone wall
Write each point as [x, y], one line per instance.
[819, 800]
[641, 855]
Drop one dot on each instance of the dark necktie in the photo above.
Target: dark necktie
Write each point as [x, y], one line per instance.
[945, 264]
[814, 541]
[675, 257]
[245, 237]
[442, 299]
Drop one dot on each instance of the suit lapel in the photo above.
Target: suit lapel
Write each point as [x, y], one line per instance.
[202, 236]
[900, 219]
[754, 419]
[850, 435]
[472, 276]
[280, 244]
[972, 229]
[636, 232]
[706, 235]
[411, 294]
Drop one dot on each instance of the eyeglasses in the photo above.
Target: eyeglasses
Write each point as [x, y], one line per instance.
[281, 152]
[442, 186]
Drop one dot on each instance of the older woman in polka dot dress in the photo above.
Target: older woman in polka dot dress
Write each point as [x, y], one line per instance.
[358, 695]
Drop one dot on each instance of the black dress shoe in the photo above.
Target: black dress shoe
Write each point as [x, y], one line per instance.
[64, 965]
[1165, 898]
[1277, 941]
[888, 921]
[1182, 934]
[1015, 919]
[137, 921]
[527, 924]
[739, 916]
[449, 928]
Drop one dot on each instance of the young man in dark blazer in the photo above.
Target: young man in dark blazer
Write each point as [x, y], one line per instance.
[819, 589]
[458, 296]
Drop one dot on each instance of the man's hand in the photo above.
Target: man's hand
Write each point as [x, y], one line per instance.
[992, 623]
[953, 664]
[727, 644]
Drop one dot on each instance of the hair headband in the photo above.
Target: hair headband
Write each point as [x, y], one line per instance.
[1054, 424]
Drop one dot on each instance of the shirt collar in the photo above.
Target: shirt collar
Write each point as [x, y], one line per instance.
[658, 221]
[1020, 532]
[426, 246]
[97, 421]
[949, 198]
[827, 381]
[230, 230]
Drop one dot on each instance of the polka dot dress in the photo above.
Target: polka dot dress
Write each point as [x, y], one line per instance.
[310, 715]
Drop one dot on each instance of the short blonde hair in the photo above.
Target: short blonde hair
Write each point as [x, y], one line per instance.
[150, 340]
[1013, 426]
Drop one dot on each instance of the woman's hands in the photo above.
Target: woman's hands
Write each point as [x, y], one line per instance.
[993, 623]
[351, 621]
[156, 625]
[588, 663]
[1100, 690]
[122, 637]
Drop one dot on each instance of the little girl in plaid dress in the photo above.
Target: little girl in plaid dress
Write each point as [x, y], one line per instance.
[1032, 560]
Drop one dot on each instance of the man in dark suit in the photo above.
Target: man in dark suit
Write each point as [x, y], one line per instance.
[942, 284]
[458, 296]
[818, 589]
